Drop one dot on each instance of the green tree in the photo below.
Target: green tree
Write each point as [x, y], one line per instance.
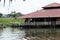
[12, 14]
[18, 14]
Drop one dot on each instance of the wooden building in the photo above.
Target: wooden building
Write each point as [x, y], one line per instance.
[48, 17]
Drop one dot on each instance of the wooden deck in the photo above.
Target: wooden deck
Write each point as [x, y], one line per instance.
[28, 25]
[41, 23]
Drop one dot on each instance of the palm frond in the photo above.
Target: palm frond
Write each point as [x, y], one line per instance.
[0, 0]
[10, 1]
[24, 0]
[4, 2]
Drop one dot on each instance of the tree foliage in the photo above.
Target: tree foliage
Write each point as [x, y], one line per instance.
[18, 14]
[14, 14]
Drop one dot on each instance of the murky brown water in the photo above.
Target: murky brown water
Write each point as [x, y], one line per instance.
[9, 33]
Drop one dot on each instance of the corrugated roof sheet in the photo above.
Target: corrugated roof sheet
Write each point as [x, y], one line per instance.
[44, 13]
[52, 5]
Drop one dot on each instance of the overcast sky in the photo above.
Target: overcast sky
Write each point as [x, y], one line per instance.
[24, 7]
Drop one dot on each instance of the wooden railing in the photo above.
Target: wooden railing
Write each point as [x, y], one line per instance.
[57, 22]
[39, 23]
[35, 23]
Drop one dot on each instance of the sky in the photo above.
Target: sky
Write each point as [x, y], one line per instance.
[26, 7]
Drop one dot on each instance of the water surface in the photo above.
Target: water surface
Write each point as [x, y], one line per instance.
[9, 33]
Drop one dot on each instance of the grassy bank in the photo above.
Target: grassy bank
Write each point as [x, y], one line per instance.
[7, 21]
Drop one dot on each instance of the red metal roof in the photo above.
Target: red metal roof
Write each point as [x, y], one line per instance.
[44, 13]
[52, 5]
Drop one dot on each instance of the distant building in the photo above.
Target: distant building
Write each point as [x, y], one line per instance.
[49, 16]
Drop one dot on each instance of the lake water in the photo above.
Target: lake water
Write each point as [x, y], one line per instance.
[9, 33]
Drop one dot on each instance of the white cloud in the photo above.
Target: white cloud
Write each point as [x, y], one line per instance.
[25, 7]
